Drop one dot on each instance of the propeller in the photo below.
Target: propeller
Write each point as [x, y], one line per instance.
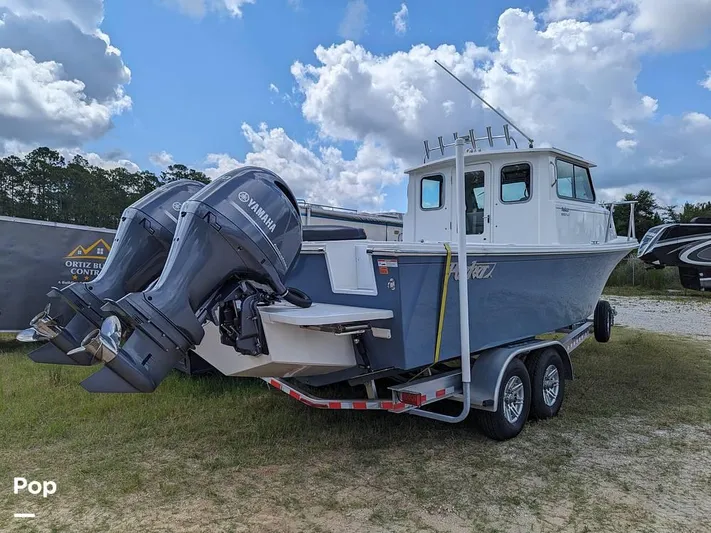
[42, 326]
[100, 344]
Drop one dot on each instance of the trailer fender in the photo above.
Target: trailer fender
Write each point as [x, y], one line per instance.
[489, 367]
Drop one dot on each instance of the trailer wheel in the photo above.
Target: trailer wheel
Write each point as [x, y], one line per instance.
[603, 319]
[547, 383]
[513, 406]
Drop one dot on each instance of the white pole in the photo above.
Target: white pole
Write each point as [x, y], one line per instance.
[463, 266]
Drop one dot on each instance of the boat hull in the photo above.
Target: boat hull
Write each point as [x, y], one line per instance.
[512, 297]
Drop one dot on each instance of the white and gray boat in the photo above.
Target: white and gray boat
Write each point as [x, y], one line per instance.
[253, 293]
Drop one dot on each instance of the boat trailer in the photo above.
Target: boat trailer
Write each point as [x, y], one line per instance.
[487, 372]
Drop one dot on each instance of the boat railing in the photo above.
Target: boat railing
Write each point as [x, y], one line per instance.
[305, 204]
[631, 235]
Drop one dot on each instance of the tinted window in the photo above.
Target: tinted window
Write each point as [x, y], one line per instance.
[583, 188]
[431, 192]
[474, 198]
[574, 182]
[516, 183]
[565, 179]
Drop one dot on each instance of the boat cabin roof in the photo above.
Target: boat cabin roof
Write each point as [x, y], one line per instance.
[473, 157]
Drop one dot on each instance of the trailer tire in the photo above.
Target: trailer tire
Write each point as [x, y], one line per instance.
[545, 367]
[508, 421]
[603, 319]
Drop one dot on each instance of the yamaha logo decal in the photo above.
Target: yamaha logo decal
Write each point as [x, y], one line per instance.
[243, 197]
[177, 206]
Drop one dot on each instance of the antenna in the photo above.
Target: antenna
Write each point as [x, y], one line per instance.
[500, 113]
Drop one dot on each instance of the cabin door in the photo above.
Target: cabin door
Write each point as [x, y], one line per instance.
[478, 194]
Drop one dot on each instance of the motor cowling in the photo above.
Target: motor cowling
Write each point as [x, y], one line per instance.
[136, 259]
[239, 235]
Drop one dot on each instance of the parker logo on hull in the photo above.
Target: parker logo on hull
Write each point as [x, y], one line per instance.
[475, 270]
[261, 213]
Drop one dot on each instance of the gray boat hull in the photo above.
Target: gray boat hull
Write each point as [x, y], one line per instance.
[512, 297]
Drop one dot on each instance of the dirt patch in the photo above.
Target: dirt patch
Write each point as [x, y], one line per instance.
[674, 316]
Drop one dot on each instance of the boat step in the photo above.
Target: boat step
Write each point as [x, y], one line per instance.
[321, 314]
[429, 389]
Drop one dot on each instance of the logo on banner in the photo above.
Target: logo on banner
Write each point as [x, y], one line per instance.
[84, 263]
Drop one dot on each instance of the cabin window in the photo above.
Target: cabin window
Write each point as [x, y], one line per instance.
[431, 192]
[574, 182]
[474, 198]
[516, 183]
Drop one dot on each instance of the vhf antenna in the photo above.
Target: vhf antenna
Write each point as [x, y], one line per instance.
[530, 141]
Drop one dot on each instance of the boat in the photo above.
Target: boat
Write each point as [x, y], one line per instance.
[256, 294]
[686, 246]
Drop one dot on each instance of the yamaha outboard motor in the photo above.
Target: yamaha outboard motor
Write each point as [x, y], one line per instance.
[235, 242]
[136, 259]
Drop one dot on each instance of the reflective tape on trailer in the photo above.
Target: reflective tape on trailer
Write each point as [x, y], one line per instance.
[323, 403]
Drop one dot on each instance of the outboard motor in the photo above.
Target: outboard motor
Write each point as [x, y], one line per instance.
[136, 259]
[235, 243]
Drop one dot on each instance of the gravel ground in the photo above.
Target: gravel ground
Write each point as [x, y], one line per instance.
[675, 316]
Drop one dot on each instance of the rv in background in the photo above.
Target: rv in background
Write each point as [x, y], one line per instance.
[36, 255]
[377, 226]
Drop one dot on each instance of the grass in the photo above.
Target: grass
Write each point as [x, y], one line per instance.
[630, 451]
[663, 293]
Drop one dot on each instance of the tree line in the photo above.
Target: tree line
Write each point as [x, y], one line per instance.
[42, 185]
[648, 212]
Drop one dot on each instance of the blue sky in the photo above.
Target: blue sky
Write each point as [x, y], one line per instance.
[194, 81]
[619, 81]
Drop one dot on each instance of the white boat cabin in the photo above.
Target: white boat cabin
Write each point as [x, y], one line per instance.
[524, 196]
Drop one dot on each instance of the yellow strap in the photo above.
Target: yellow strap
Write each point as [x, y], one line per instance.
[443, 301]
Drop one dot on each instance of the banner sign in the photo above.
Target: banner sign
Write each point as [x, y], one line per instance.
[36, 256]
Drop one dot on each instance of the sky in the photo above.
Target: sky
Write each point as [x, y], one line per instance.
[336, 96]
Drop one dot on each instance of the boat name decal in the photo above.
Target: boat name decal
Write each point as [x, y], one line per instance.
[261, 213]
[475, 271]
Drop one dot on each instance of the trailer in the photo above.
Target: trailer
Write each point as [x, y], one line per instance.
[507, 385]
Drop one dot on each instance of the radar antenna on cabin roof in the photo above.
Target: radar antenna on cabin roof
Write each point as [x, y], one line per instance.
[471, 138]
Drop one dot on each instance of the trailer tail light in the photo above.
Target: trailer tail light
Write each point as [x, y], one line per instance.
[412, 398]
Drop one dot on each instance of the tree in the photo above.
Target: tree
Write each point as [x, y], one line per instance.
[181, 172]
[43, 186]
[646, 213]
[688, 212]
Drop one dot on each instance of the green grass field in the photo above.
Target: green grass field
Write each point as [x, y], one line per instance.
[630, 451]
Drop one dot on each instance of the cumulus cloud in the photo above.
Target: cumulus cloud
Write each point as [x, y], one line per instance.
[198, 8]
[569, 83]
[400, 20]
[665, 24]
[161, 159]
[61, 80]
[353, 23]
[707, 82]
[323, 175]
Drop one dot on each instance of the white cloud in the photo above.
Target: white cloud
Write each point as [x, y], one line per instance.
[626, 145]
[569, 83]
[161, 159]
[665, 24]
[198, 8]
[38, 105]
[102, 162]
[273, 88]
[318, 176]
[61, 80]
[697, 121]
[353, 23]
[400, 20]
[85, 14]
[707, 82]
